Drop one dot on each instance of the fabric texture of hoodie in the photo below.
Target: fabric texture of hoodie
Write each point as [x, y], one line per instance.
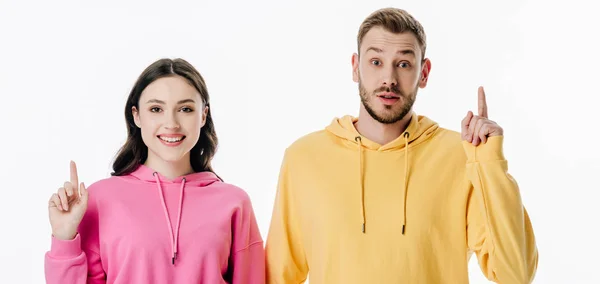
[414, 210]
[146, 228]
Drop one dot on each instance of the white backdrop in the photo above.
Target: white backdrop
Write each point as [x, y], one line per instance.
[277, 71]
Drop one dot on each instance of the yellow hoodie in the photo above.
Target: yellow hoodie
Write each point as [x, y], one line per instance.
[348, 210]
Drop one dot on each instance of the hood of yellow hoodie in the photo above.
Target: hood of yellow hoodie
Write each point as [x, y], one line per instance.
[419, 129]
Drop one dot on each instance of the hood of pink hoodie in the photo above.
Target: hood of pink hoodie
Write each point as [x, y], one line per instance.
[199, 179]
[144, 173]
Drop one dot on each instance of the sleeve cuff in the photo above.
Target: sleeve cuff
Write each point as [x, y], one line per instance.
[490, 151]
[66, 248]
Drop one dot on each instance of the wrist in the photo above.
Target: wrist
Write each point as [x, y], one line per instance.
[65, 248]
[492, 150]
[64, 236]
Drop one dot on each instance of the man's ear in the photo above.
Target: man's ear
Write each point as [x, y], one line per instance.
[355, 72]
[425, 70]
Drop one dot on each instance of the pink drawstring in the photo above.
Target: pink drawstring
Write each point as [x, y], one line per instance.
[174, 238]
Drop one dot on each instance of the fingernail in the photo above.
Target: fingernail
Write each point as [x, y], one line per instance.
[60, 208]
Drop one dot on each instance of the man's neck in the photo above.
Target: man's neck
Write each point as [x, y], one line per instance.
[378, 132]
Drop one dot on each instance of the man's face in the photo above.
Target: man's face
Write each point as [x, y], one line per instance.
[389, 72]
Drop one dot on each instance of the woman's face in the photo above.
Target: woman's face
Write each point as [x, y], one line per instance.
[170, 115]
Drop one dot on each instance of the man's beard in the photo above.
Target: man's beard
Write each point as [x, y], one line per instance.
[387, 117]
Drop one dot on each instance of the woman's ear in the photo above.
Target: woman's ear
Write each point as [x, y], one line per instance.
[136, 116]
[204, 115]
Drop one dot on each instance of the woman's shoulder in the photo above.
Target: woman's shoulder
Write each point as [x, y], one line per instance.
[233, 191]
[238, 198]
[105, 184]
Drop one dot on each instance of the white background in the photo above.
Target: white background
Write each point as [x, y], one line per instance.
[278, 71]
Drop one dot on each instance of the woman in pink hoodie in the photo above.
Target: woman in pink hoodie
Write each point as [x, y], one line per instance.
[163, 216]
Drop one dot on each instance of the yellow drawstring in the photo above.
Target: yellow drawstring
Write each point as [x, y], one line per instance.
[362, 184]
[406, 135]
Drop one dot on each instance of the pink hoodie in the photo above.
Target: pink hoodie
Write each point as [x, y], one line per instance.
[145, 228]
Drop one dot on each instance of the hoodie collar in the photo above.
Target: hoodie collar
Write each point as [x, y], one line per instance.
[419, 128]
[145, 173]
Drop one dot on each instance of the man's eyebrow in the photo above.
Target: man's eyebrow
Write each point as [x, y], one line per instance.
[407, 52]
[376, 49]
[403, 51]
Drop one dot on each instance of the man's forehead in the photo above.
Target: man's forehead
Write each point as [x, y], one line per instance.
[381, 40]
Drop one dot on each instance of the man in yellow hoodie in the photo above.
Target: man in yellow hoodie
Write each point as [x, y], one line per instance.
[390, 196]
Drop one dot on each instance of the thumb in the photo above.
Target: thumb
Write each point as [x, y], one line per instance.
[83, 193]
[465, 124]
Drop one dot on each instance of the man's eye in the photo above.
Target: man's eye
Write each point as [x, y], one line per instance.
[403, 65]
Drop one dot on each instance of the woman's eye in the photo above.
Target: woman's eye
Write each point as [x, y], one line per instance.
[155, 109]
[187, 109]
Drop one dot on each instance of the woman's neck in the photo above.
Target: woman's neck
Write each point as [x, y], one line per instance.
[168, 169]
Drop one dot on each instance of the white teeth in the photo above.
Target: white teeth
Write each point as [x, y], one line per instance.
[171, 139]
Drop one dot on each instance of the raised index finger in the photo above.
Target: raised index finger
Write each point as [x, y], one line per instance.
[482, 105]
[74, 178]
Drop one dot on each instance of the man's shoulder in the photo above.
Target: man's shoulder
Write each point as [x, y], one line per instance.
[448, 135]
[448, 145]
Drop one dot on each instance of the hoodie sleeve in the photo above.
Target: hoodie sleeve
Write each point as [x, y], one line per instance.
[77, 261]
[498, 227]
[247, 263]
[286, 261]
